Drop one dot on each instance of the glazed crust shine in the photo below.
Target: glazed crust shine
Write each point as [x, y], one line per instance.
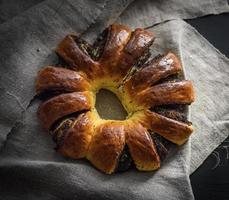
[70, 114]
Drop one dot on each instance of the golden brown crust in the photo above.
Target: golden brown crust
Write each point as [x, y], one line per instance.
[76, 142]
[156, 70]
[51, 79]
[172, 130]
[181, 92]
[121, 51]
[142, 148]
[62, 105]
[76, 58]
[106, 146]
[118, 36]
[73, 120]
[138, 44]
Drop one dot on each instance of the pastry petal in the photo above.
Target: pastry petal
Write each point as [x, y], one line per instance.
[76, 139]
[156, 70]
[174, 131]
[142, 148]
[117, 38]
[138, 44]
[77, 59]
[51, 79]
[106, 146]
[181, 92]
[60, 106]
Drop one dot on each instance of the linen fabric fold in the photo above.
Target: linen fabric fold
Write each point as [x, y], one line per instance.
[31, 169]
[27, 44]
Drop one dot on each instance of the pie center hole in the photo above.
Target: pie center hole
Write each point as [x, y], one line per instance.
[109, 106]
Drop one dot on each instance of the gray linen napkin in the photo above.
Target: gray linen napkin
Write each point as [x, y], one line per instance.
[27, 43]
[29, 167]
[59, 18]
[204, 64]
[11, 8]
[145, 13]
[209, 70]
[139, 14]
[160, 10]
[28, 151]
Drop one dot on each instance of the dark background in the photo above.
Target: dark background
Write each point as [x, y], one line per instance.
[211, 180]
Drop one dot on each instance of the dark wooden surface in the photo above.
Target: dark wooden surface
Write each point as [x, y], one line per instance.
[211, 180]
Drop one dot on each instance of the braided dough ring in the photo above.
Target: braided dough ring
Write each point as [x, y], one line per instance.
[118, 61]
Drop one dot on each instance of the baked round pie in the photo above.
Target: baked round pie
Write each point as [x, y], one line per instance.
[151, 91]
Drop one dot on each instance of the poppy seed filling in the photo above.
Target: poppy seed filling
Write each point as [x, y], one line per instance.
[152, 91]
